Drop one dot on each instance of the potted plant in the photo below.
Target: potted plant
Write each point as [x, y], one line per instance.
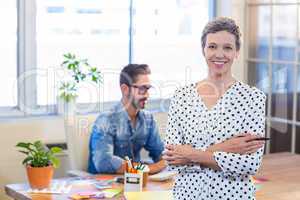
[79, 70]
[40, 163]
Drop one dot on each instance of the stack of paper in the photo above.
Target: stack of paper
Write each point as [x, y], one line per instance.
[55, 188]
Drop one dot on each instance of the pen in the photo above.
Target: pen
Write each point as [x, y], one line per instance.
[262, 138]
[137, 167]
[142, 167]
[257, 139]
[128, 162]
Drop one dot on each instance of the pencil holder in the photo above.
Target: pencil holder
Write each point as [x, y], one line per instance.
[133, 182]
[145, 174]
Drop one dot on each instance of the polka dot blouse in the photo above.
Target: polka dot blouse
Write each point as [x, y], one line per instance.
[240, 110]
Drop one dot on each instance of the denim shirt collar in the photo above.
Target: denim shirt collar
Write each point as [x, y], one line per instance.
[120, 109]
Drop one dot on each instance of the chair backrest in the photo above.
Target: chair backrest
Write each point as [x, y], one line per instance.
[78, 132]
[161, 119]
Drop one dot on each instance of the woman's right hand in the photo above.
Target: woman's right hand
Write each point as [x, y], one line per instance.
[241, 144]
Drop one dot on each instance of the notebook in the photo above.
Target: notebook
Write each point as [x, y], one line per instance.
[162, 176]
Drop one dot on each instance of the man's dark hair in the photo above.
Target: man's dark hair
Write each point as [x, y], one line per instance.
[130, 72]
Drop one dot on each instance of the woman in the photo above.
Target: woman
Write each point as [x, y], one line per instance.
[213, 125]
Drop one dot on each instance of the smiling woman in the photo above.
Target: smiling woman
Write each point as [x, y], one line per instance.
[206, 120]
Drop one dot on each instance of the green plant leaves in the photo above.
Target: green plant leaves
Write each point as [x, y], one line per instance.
[28, 146]
[55, 162]
[68, 91]
[79, 70]
[25, 152]
[55, 150]
[38, 155]
[23, 145]
[38, 146]
[27, 160]
[69, 56]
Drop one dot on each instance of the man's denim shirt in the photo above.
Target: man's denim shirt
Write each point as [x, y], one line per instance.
[113, 138]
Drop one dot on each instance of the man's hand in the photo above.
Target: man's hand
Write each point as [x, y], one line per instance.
[122, 168]
[157, 167]
[241, 144]
[154, 168]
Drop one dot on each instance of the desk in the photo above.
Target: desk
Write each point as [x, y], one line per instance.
[281, 169]
[283, 172]
[15, 190]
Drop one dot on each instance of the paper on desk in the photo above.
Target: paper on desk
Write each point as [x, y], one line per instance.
[83, 182]
[162, 176]
[149, 195]
[106, 193]
[105, 177]
[256, 179]
[109, 193]
[258, 182]
[55, 188]
[87, 195]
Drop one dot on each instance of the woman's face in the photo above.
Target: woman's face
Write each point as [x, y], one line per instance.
[220, 52]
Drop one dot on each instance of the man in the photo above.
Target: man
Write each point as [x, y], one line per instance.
[126, 128]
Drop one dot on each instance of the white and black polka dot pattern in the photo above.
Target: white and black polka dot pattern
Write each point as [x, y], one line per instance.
[240, 110]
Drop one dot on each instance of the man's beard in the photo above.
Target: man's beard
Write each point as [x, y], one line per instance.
[138, 103]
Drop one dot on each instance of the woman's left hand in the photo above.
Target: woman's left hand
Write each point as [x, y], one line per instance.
[179, 154]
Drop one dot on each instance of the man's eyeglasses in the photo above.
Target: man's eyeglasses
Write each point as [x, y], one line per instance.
[142, 89]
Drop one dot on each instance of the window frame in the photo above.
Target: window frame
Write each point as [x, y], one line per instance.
[27, 62]
[270, 62]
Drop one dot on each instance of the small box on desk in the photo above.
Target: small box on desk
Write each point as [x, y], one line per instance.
[133, 182]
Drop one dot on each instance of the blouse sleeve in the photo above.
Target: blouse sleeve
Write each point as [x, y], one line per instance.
[174, 134]
[248, 164]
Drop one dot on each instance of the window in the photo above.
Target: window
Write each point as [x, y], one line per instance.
[273, 66]
[96, 30]
[99, 31]
[8, 51]
[170, 42]
[110, 34]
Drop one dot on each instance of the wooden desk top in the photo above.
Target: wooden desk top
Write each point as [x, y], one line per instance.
[281, 169]
[16, 191]
[283, 173]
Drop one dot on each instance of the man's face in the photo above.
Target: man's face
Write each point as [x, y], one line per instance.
[139, 91]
